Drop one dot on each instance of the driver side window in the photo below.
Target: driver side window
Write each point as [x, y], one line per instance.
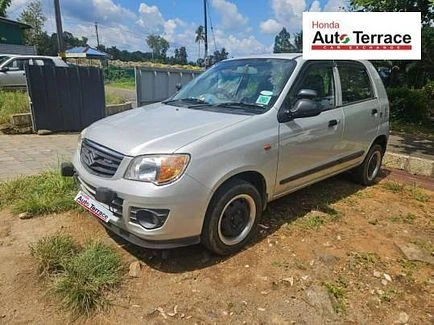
[318, 77]
[17, 64]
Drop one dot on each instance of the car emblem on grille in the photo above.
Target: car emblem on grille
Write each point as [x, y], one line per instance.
[91, 158]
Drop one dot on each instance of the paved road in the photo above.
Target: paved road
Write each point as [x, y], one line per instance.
[30, 154]
[417, 146]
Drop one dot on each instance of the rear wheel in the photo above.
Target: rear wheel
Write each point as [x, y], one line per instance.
[232, 217]
[366, 173]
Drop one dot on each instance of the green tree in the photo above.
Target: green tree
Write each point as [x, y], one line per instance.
[158, 45]
[220, 55]
[424, 6]
[181, 55]
[33, 16]
[282, 42]
[200, 36]
[410, 73]
[4, 5]
[298, 42]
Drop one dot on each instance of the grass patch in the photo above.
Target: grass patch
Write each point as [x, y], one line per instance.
[111, 99]
[394, 186]
[82, 275]
[12, 102]
[52, 253]
[88, 275]
[408, 218]
[418, 194]
[47, 192]
[312, 222]
[320, 216]
[123, 83]
[409, 267]
[362, 260]
[337, 291]
[414, 191]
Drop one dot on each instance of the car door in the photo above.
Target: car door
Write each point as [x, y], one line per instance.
[310, 147]
[360, 106]
[15, 75]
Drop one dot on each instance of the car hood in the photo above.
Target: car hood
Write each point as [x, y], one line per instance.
[157, 128]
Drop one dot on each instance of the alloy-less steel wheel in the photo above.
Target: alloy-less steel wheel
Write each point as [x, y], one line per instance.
[232, 217]
[366, 173]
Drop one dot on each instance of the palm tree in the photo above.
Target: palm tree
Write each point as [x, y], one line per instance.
[200, 36]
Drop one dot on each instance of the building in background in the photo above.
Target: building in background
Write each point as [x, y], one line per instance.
[12, 37]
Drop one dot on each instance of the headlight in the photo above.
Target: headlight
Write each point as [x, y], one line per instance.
[157, 169]
[81, 137]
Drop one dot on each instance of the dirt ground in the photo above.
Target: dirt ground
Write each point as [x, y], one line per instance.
[328, 254]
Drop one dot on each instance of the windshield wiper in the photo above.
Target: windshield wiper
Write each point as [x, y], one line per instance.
[189, 100]
[240, 105]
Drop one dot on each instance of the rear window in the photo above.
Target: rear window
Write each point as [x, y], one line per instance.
[355, 83]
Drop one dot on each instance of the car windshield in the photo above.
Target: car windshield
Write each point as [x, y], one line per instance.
[3, 58]
[248, 85]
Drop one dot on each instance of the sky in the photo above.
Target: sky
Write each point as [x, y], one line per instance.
[241, 26]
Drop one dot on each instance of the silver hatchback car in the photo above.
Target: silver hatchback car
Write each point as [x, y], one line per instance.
[12, 72]
[202, 165]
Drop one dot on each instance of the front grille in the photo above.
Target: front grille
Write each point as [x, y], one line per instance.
[99, 160]
[116, 206]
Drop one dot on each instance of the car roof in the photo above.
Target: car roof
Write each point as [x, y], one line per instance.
[288, 56]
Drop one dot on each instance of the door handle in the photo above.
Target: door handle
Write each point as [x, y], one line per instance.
[333, 123]
[374, 111]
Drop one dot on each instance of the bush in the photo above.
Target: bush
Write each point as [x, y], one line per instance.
[112, 73]
[429, 90]
[52, 253]
[410, 105]
[44, 193]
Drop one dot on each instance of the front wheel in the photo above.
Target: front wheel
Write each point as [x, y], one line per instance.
[232, 217]
[366, 173]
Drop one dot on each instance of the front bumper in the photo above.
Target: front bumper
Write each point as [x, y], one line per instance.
[186, 199]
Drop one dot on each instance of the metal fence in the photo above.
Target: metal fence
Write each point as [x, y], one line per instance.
[156, 84]
[65, 99]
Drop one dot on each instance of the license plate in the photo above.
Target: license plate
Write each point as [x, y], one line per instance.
[94, 207]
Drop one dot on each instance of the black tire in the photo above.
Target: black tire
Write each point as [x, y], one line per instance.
[366, 173]
[243, 199]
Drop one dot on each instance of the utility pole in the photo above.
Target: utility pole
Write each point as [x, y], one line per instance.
[97, 36]
[206, 29]
[60, 44]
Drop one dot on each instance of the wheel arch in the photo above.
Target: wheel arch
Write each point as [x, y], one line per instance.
[251, 176]
[382, 141]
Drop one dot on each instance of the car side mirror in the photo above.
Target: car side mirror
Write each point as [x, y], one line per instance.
[307, 93]
[303, 107]
[178, 86]
[4, 69]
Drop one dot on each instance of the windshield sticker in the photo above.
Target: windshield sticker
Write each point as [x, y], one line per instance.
[266, 93]
[263, 100]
